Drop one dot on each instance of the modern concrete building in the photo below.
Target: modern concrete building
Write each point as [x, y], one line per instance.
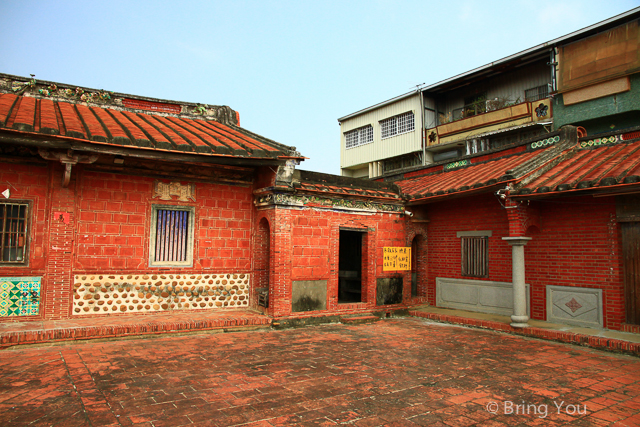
[584, 78]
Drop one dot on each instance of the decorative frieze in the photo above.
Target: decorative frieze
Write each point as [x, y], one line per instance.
[457, 164]
[599, 141]
[333, 203]
[544, 142]
[103, 294]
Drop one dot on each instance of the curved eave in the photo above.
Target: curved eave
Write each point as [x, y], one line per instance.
[456, 193]
[13, 136]
[599, 191]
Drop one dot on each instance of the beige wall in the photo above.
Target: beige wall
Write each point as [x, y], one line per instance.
[381, 148]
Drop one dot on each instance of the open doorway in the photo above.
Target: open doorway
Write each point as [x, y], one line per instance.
[350, 266]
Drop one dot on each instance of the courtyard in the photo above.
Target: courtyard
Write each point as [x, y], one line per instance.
[400, 371]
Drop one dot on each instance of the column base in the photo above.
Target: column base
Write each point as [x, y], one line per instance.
[519, 321]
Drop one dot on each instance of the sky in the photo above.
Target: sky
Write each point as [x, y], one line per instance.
[290, 68]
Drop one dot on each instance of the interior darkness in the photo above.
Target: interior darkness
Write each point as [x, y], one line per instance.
[414, 266]
[350, 267]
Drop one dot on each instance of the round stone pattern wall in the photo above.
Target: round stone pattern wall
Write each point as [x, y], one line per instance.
[102, 294]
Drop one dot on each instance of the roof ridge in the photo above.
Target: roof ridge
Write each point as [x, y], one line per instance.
[534, 168]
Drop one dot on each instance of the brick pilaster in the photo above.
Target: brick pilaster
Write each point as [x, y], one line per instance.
[57, 296]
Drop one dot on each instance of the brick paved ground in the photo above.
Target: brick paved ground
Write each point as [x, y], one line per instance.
[395, 372]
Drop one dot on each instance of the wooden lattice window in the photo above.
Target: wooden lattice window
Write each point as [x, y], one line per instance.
[475, 253]
[171, 237]
[13, 245]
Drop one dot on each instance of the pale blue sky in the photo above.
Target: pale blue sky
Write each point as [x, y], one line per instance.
[291, 68]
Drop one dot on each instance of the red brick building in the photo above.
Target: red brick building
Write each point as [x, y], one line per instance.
[571, 203]
[117, 204]
[114, 204]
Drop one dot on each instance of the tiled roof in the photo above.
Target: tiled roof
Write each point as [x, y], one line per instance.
[594, 164]
[315, 183]
[124, 127]
[347, 191]
[459, 177]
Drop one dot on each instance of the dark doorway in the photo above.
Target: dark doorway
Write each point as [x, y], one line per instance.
[350, 266]
[631, 261]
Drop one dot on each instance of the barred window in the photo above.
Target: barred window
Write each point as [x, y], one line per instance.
[356, 137]
[171, 237]
[536, 93]
[14, 232]
[475, 253]
[397, 125]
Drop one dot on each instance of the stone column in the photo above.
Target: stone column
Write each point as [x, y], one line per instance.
[519, 317]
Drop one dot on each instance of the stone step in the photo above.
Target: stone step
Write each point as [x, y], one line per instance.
[355, 320]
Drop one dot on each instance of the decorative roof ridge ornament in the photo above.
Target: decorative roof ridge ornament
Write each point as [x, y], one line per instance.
[66, 93]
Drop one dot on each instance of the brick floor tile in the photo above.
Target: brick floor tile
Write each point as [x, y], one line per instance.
[394, 372]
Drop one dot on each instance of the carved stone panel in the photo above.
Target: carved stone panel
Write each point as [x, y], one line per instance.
[476, 295]
[575, 306]
[166, 191]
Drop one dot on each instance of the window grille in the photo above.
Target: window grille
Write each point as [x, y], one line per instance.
[536, 93]
[14, 232]
[356, 137]
[397, 125]
[475, 256]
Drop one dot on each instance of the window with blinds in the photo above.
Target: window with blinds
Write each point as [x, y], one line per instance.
[171, 240]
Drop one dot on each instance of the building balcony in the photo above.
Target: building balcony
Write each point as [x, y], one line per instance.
[475, 119]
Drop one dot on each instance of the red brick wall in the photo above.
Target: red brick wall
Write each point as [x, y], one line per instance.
[482, 212]
[29, 182]
[106, 228]
[578, 244]
[114, 218]
[306, 244]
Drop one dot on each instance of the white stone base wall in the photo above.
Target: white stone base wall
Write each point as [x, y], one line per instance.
[483, 296]
[137, 293]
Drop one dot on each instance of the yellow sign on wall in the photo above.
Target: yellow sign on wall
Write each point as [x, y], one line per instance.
[396, 259]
